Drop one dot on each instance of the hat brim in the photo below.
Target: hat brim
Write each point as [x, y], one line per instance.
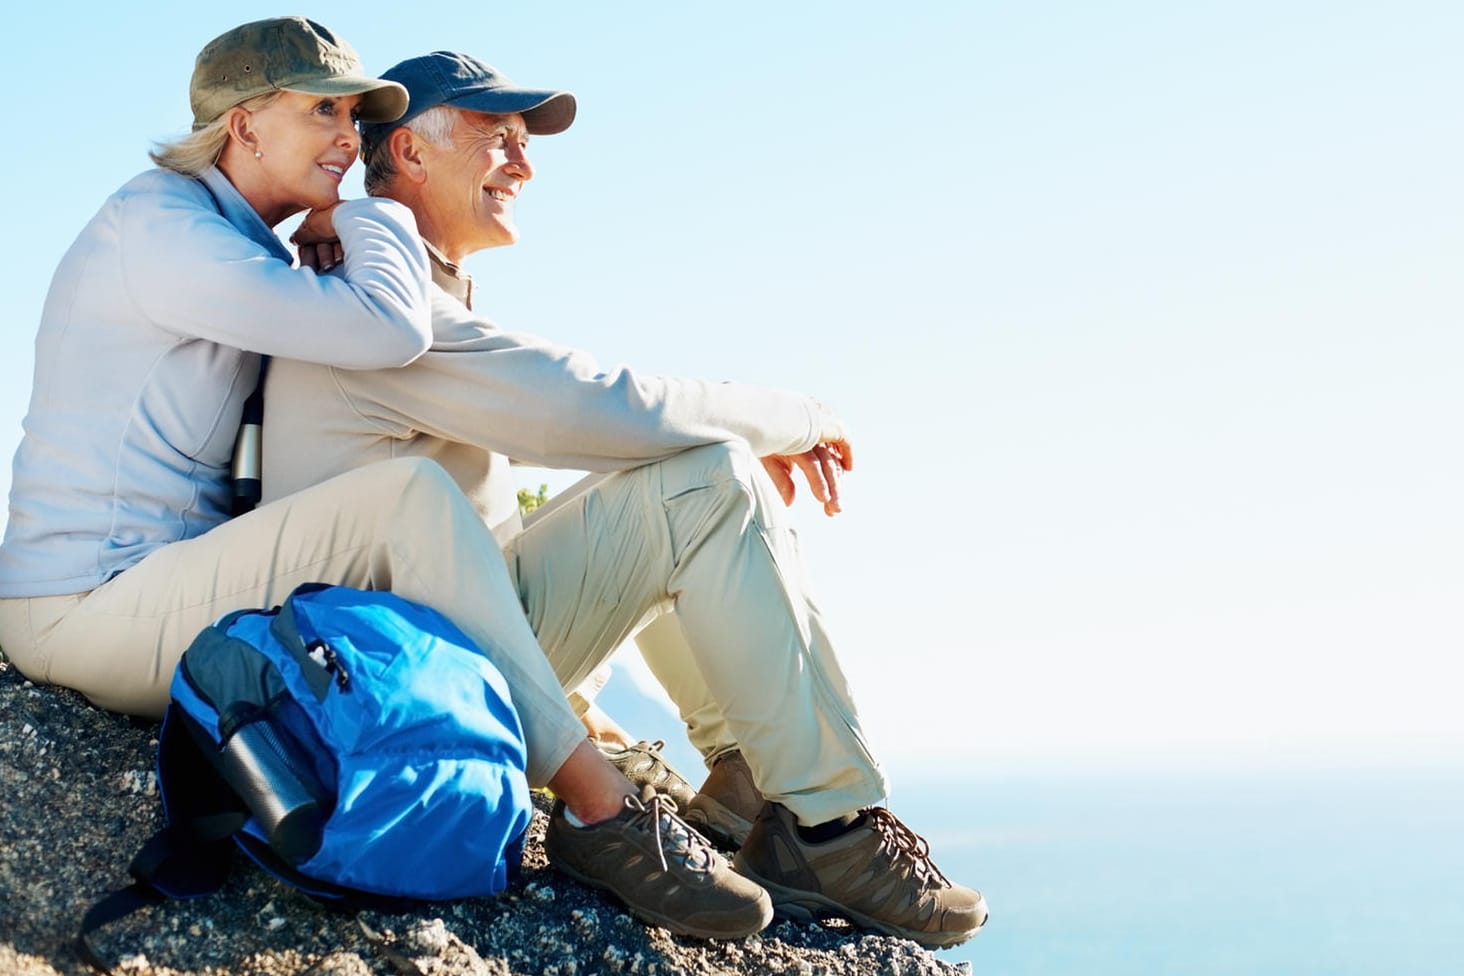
[545, 113]
[381, 101]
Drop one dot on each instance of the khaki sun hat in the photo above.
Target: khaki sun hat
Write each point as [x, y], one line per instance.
[289, 53]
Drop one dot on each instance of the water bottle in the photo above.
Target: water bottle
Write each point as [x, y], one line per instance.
[265, 768]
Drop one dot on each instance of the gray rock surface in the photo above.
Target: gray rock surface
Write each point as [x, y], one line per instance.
[80, 799]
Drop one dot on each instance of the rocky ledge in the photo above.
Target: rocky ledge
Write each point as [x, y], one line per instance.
[80, 799]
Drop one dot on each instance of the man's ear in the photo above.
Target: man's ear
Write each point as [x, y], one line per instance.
[406, 150]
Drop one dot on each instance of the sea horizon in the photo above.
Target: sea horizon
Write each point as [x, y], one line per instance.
[1220, 870]
[1332, 861]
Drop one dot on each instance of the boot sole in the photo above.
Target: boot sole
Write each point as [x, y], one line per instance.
[808, 906]
[655, 918]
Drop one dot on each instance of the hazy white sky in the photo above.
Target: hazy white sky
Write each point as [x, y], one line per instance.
[1145, 318]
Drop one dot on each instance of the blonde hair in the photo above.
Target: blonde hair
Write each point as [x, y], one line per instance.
[434, 125]
[201, 148]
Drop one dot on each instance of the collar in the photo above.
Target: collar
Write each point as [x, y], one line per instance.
[449, 277]
[237, 211]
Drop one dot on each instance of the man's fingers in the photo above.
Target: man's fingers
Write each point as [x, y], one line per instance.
[812, 467]
[833, 437]
[777, 469]
[841, 451]
[831, 465]
[822, 466]
[845, 451]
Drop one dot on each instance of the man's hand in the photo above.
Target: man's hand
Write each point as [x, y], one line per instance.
[823, 465]
[316, 239]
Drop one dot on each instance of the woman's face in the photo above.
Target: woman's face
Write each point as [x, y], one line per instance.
[305, 144]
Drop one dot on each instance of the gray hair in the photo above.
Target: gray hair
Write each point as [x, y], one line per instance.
[200, 149]
[434, 125]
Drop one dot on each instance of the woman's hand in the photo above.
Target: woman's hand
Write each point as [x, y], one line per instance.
[316, 239]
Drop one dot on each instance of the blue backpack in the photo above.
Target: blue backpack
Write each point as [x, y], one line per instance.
[354, 744]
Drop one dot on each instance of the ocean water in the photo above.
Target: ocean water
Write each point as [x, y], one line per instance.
[1292, 872]
[1262, 868]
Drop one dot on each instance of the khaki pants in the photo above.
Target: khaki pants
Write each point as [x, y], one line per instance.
[746, 656]
[400, 525]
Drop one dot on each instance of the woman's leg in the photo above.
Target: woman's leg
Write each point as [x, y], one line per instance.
[400, 525]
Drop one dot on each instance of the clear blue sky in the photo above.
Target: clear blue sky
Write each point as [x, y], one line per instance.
[1145, 318]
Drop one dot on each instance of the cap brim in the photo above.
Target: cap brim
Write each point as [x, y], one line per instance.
[545, 112]
[381, 101]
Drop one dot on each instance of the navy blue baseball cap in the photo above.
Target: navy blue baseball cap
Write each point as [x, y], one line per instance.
[449, 78]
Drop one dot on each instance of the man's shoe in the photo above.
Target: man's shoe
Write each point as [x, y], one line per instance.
[878, 874]
[666, 873]
[728, 802]
[644, 765]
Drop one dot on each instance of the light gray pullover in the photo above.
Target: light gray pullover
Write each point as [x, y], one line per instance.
[481, 395]
[148, 345]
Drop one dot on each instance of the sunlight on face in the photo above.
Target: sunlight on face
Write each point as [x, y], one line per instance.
[473, 183]
[306, 145]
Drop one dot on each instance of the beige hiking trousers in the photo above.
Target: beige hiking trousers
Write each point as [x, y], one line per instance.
[746, 657]
[399, 525]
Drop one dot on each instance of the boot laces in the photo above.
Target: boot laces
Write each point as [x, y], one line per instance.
[649, 755]
[902, 842]
[671, 833]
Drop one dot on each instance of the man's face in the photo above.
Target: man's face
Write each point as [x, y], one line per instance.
[472, 183]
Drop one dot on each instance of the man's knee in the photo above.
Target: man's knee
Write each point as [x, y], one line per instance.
[729, 465]
[718, 488]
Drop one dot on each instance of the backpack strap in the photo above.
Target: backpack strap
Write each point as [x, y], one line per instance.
[184, 861]
[188, 858]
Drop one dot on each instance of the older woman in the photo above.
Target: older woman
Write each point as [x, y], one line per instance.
[149, 343]
[119, 547]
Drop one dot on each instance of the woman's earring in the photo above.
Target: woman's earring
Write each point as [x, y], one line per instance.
[258, 154]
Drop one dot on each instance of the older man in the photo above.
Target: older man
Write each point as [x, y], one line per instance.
[688, 520]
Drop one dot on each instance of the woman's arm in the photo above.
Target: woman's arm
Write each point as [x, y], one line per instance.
[193, 273]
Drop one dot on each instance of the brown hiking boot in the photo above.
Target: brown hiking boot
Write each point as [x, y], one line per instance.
[728, 802]
[878, 875]
[665, 872]
[644, 765]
